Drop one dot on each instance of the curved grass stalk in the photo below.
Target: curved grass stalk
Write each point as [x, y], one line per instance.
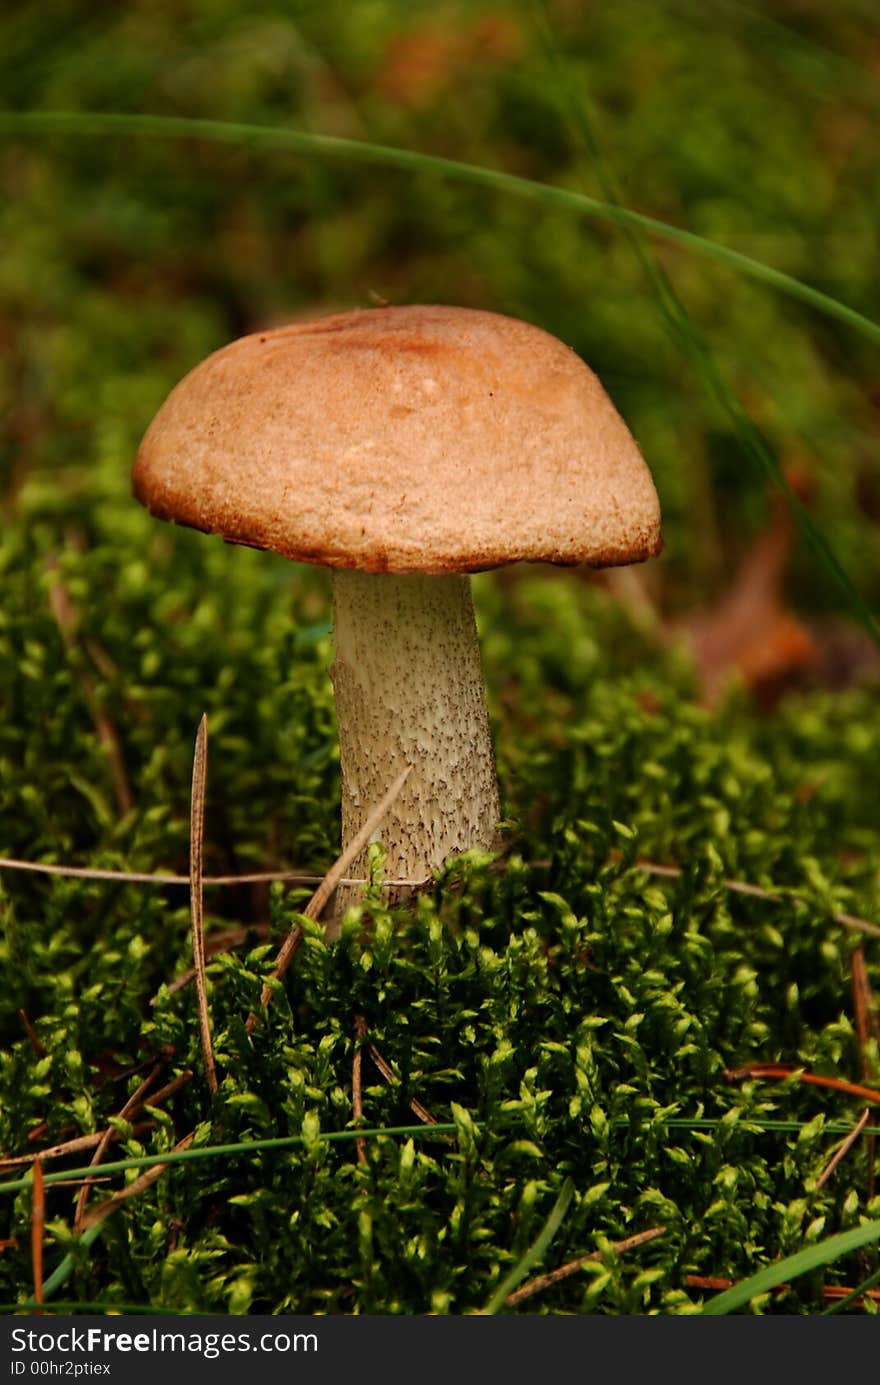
[146, 1161]
[814, 1257]
[112, 123]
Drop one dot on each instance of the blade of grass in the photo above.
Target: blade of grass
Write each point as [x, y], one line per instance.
[685, 333]
[535, 1251]
[783, 39]
[861, 1289]
[147, 1161]
[813, 1258]
[95, 1219]
[111, 123]
[751, 1125]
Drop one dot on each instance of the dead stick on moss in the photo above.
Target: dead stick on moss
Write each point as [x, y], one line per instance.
[780, 1071]
[74, 1146]
[33, 1038]
[867, 1027]
[142, 877]
[393, 1080]
[171, 1088]
[215, 943]
[319, 899]
[106, 1208]
[196, 843]
[866, 1022]
[850, 921]
[758, 892]
[844, 1149]
[128, 1109]
[38, 1225]
[830, 1292]
[545, 1281]
[357, 1100]
[84, 1142]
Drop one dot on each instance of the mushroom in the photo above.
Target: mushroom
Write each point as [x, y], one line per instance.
[405, 447]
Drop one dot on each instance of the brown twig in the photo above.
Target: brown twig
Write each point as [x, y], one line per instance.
[393, 1080]
[830, 1292]
[544, 1281]
[137, 877]
[867, 1027]
[33, 1037]
[38, 1225]
[216, 943]
[850, 921]
[74, 1146]
[84, 1142]
[319, 899]
[844, 1149]
[128, 1109]
[171, 1088]
[866, 1021]
[106, 1208]
[196, 844]
[779, 1071]
[357, 1100]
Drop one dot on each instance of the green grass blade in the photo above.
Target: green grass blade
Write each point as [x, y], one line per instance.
[683, 331]
[854, 1297]
[781, 1271]
[535, 1251]
[414, 161]
[64, 1270]
[750, 1125]
[148, 1161]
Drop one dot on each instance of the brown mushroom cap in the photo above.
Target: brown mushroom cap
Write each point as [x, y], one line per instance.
[402, 439]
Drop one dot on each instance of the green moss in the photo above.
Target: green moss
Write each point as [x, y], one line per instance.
[561, 1003]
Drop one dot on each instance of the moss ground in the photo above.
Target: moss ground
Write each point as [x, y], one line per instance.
[570, 1013]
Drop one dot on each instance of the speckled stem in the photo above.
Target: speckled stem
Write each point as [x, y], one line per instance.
[409, 691]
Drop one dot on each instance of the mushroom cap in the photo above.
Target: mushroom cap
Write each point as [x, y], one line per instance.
[402, 439]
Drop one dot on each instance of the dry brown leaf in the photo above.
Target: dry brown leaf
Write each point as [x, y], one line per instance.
[421, 63]
[750, 632]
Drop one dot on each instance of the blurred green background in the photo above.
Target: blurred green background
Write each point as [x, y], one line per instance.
[127, 258]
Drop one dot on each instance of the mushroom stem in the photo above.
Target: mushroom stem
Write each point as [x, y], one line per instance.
[409, 691]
